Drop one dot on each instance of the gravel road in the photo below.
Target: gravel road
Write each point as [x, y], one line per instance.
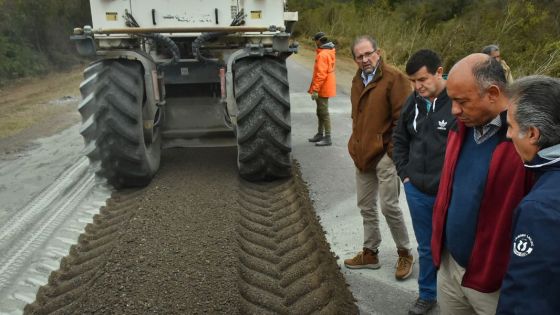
[200, 240]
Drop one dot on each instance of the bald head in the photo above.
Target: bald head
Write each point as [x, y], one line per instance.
[475, 85]
[468, 63]
[485, 71]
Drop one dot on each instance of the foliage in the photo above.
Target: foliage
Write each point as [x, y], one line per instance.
[34, 35]
[18, 59]
[528, 32]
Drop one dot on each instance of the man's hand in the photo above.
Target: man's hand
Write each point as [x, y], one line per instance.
[314, 95]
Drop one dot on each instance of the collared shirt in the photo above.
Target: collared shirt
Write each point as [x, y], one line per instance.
[368, 78]
[428, 103]
[488, 130]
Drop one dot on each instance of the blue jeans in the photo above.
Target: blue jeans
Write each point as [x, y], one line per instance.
[421, 208]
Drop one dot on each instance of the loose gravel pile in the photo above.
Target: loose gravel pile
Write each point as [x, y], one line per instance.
[199, 240]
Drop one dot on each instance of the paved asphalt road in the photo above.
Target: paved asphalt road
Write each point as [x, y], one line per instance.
[329, 172]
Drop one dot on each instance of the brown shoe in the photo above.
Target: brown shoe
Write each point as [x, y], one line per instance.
[404, 264]
[366, 259]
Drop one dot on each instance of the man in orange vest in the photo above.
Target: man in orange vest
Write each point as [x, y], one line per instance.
[323, 86]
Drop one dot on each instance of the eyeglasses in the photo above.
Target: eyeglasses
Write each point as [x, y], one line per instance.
[366, 55]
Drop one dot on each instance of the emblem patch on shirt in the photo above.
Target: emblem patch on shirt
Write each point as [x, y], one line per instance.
[523, 245]
[442, 124]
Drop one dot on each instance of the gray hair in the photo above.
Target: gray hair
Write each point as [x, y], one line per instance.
[362, 38]
[490, 49]
[487, 73]
[538, 105]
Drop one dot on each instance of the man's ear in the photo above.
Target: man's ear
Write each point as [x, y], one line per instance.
[533, 134]
[494, 93]
[439, 72]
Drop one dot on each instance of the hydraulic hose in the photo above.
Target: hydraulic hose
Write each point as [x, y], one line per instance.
[197, 43]
[159, 39]
[205, 37]
[169, 44]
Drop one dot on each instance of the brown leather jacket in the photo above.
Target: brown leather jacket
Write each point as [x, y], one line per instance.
[375, 111]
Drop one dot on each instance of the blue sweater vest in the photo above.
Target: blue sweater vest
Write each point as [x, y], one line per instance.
[468, 188]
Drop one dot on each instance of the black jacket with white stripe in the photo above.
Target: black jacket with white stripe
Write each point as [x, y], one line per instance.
[420, 139]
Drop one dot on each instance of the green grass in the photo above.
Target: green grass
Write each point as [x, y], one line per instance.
[529, 35]
[26, 102]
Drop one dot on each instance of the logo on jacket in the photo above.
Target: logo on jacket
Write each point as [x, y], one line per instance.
[442, 124]
[523, 245]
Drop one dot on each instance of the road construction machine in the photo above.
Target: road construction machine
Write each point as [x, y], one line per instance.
[186, 73]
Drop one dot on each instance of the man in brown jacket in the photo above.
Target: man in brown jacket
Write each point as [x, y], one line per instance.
[378, 93]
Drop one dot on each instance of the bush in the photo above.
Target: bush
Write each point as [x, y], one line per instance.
[527, 32]
[18, 60]
[34, 35]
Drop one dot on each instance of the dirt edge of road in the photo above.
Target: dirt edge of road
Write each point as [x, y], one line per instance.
[38, 107]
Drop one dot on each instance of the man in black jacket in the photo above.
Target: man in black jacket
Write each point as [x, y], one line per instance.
[419, 150]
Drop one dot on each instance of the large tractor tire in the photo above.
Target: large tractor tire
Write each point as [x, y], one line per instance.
[263, 121]
[112, 123]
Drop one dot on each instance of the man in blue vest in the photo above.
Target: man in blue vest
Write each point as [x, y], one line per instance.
[481, 183]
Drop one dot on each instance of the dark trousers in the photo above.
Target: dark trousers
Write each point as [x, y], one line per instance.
[323, 115]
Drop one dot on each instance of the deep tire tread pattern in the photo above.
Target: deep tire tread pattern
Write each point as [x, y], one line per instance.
[263, 123]
[112, 123]
[81, 267]
[283, 268]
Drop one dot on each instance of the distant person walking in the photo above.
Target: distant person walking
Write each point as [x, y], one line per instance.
[420, 139]
[494, 52]
[481, 183]
[378, 93]
[532, 281]
[323, 86]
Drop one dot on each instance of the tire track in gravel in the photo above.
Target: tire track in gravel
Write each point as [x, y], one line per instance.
[79, 269]
[171, 248]
[286, 266]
